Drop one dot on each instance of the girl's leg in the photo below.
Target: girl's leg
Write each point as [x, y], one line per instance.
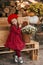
[18, 53]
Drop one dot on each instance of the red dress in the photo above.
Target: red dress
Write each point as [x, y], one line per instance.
[14, 40]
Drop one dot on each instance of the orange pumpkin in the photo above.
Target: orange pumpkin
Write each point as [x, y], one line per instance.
[31, 14]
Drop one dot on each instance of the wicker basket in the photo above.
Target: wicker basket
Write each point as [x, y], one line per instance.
[26, 37]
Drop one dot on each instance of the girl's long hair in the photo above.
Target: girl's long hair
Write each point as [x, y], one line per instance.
[17, 24]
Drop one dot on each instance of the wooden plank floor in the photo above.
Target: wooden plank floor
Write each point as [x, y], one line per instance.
[7, 59]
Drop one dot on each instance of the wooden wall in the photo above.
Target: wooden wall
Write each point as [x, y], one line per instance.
[4, 30]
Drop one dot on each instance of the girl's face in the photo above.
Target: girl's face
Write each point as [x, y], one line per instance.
[14, 21]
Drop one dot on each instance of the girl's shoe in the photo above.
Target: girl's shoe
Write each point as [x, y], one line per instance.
[16, 58]
[20, 60]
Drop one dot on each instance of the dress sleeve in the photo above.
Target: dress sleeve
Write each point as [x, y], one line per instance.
[18, 31]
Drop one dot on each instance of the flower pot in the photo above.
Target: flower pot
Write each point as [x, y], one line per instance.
[26, 37]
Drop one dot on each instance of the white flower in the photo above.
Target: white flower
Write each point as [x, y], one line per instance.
[29, 29]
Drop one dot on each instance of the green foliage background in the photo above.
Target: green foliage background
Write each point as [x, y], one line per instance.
[37, 8]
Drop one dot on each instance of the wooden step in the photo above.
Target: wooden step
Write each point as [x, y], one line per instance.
[3, 52]
[11, 51]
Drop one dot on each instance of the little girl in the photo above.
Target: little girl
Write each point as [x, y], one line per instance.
[14, 40]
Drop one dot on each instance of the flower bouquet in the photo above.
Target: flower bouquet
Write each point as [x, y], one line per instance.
[27, 31]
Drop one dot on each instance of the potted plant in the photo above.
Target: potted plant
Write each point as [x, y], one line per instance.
[27, 31]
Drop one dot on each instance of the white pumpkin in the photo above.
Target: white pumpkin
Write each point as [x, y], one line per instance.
[33, 19]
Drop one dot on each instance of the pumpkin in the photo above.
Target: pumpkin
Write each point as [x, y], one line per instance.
[31, 14]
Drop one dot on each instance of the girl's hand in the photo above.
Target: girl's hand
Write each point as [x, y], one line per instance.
[20, 25]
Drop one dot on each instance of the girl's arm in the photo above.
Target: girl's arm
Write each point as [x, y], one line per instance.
[18, 31]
